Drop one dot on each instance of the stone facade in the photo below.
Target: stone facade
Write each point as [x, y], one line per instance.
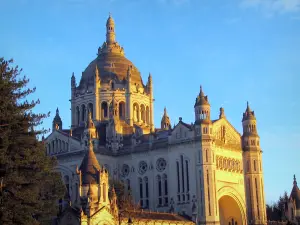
[204, 170]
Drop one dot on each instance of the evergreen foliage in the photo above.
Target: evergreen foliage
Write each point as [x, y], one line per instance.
[276, 211]
[30, 187]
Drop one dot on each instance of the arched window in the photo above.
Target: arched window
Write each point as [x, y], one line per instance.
[83, 112]
[128, 185]
[146, 193]
[178, 177]
[159, 188]
[77, 115]
[143, 113]
[182, 173]
[122, 110]
[136, 112]
[141, 191]
[104, 109]
[232, 222]
[56, 146]
[147, 115]
[59, 145]
[91, 109]
[187, 176]
[254, 164]
[67, 183]
[165, 183]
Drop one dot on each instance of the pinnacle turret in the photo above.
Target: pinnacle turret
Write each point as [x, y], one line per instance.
[165, 121]
[201, 98]
[249, 122]
[248, 114]
[57, 122]
[73, 81]
[222, 113]
[202, 107]
[110, 30]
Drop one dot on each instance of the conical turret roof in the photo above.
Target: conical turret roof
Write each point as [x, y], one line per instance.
[295, 193]
[201, 98]
[90, 168]
[248, 114]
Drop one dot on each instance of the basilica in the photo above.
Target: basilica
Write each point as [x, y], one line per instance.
[202, 172]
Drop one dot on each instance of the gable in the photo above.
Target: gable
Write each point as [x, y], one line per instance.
[103, 216]
[180, 131]
[224, 132]
[58, 142]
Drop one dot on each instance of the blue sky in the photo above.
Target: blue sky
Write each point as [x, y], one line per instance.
[238, 50]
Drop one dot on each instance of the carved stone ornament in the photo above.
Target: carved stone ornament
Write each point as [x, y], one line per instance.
[143, 167]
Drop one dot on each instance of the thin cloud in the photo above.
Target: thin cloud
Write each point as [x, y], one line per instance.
[271, 7]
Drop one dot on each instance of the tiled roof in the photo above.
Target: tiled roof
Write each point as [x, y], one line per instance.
[89, 168]
[295, 195]
[149, 215]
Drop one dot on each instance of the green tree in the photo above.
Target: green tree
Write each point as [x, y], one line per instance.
[124, 197]
[276, 210]
[30, 187]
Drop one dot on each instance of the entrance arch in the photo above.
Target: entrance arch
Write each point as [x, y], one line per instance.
[229, 211]
[232, 207]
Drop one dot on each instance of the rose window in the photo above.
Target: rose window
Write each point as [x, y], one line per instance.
[142, 167]
[161, 164]
[125, 170]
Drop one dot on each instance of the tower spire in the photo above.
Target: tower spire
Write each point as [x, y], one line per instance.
[110, 30]
[295, 181]
[201, 91]
[248, 114]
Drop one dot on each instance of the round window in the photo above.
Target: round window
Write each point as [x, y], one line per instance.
[125, 170]
[142, 167]
[161, 164]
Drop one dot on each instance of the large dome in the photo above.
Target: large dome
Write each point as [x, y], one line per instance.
[111, 62]
[111, 66]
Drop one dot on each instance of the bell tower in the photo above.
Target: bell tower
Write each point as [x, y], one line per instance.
[253, 174]
[208, 206]
[165, 121]
[57, 122]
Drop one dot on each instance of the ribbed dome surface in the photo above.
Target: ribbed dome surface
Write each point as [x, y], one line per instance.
[111, 66]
